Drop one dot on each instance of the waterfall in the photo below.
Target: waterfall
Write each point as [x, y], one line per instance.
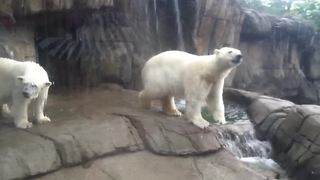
[179, 25]
[244, 143]
[240, 139]
[155, 9]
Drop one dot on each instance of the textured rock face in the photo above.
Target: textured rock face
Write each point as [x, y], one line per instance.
[23, 154]
[169, 136]
[17, 42]
[218, 24]
[35, 6]
[144, 165]
[292, 129]
[280, 58]
[129, 143]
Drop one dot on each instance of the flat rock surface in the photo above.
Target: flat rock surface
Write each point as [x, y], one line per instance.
[145, 165]
[109, 124]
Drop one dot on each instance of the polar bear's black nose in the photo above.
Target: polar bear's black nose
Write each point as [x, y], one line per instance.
[25, 94]
[237, 59]
[239, 56]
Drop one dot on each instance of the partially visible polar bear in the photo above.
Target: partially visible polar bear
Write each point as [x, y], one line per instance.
[21, 83]
[198, 79]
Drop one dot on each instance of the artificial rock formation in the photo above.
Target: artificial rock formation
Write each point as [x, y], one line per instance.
[104, 135]
[89, 42]
[292, 129]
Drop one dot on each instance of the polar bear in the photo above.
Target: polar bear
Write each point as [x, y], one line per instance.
[198, 79]
[20, 84]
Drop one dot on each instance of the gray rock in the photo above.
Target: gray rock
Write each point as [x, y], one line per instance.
[84, 139]
[175, 136]
[263, 106]
[23, 154]
[144, 165]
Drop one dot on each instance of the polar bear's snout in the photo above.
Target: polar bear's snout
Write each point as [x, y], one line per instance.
[30, 90]
[237, 59]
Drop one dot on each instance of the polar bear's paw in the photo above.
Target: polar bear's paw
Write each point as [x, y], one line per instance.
[201, 123]
[173, 112]
[24, 125]
[43, 119]
[219, 118]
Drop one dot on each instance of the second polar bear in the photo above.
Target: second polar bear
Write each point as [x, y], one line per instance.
[20, 84]
[198, 79]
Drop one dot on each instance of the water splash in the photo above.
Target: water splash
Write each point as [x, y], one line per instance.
[179, 26]
[241, 140]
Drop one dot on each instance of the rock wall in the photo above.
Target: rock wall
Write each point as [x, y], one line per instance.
[280, 58]
[17, 42]
[84, 43]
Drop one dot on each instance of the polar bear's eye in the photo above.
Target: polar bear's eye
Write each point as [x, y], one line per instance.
[230, 52]
[33, 85]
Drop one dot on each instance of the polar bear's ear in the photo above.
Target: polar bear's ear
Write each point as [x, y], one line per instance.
[48, 83]
[20, 78]
[216, 51]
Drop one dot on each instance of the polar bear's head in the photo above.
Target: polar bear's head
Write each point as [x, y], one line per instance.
[30, 87]
[228, 57]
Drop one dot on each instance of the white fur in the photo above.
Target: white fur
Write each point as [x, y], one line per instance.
[12, 76]
[198, 79]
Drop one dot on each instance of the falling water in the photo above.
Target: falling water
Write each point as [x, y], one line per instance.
[146, 12]
[179, 26]
[240, 139]
[156, 21]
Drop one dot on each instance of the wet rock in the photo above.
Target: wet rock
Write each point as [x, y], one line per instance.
[293, 131]
[84, 139]
[175, 136]
[96, 134]
[144, 165]
[36, 6]
[23, 154]
[219, 25]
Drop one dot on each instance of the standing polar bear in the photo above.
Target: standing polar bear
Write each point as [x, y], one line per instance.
[198, 79]
[21, 83]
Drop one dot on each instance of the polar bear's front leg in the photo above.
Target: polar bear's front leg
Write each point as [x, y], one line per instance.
[39, 106]
[215, 102]
[196, 92]
[193, 114]
[20, 112]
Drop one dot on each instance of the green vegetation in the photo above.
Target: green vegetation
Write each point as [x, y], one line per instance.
[306, 9]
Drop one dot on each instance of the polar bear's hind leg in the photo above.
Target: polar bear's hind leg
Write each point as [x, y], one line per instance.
[169, 106]
[6, 112]
[145, 100]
